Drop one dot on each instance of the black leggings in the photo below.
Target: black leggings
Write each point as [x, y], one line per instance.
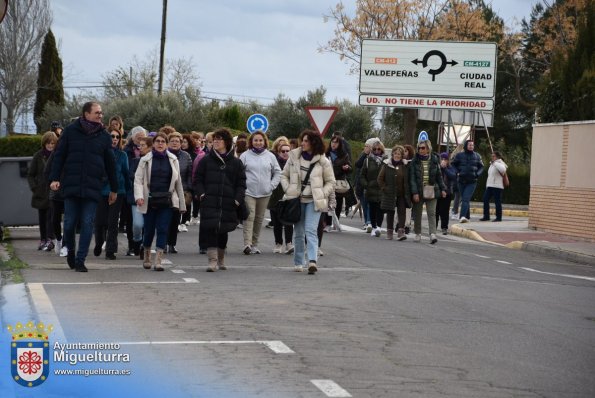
[279, 228]
[57, 210]
[376, 215]
[45, 232]
[172, 234]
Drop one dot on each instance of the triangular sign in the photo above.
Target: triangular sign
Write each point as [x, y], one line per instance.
[321, 117]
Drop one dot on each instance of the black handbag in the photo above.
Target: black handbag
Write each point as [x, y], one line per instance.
[290, 210]
[160, 200]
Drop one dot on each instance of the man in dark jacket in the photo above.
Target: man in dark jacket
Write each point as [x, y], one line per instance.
[82, 160]
[468, 166]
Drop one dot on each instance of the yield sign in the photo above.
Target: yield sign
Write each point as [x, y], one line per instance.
[321, 117]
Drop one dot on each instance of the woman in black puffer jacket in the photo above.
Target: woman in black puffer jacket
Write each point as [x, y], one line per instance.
[220, 184]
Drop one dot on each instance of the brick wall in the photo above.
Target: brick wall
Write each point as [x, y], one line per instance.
[562, 196]
[566, 211]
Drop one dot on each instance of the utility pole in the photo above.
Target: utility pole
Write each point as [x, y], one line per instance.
[162, 52]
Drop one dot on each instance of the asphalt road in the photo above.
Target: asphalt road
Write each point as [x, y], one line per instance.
[380, 319]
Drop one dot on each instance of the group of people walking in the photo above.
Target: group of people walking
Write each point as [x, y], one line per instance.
[158, 183]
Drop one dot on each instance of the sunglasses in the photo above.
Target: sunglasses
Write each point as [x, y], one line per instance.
[115, 136]
[377, 149]
[160, 141]
[284, 151]
[422, 147]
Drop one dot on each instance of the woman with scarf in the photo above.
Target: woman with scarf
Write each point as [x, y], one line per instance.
[341, 163]
[106, 218]
[220, 184]
[425, 183]
[38, 184]
[133, 151]
[262, 177]
[281, 150]
[394, 188]
[369, 182]
[158, 191]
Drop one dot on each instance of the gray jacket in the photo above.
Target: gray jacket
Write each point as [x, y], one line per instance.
[262, 173]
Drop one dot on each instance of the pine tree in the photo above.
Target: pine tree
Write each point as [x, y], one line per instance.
[49, 81]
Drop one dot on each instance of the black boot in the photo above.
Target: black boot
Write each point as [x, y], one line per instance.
[136, 248]
[172, 249]
[110, 256]
[70, 259]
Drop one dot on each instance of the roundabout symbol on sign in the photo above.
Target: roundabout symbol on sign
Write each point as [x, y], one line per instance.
[442, 66]
[257, 122]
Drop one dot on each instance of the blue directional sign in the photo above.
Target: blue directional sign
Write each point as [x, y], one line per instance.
[423, 136]
[257, 122]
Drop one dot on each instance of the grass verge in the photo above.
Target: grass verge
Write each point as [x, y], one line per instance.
[10, 264]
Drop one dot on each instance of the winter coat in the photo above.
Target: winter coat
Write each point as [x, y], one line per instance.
[322, 179]
[468, 165]
[262, 173]
[81, 162]
[222, 181]
[199, 155]
[359, 165]
[38, 184]
[495, 173]
[131, 173]
[278, 192]
[389, 189]
[449, 177]
[121, 173]
[142, 179]
[338, 164]
[415, 170]
[185, 162]
[54, 195]
[369, 178]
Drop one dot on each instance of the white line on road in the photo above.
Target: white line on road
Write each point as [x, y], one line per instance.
[165, 261]
[278, 347]
[191, 280]
[587, 278]
[330, 388]
[178, 271]
[479, 255]
[45, 310]
[503, 262]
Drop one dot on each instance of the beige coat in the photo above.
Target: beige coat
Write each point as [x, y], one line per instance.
[322, 179]
[142, 178]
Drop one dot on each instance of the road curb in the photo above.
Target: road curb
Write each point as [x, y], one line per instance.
[567, 255]
[505, 212]
[466, 233]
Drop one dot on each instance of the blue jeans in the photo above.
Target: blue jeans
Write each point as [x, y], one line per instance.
[79, 210]
[466, 190]
[497, 194]
[306, 229]
[157, 219]
[365, 208]
[138, 221]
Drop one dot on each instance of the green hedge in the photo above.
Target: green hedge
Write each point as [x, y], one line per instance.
[14, 146]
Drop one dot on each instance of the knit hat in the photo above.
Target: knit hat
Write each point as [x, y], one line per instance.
[444, 155]
[55, 125]
[372, 140]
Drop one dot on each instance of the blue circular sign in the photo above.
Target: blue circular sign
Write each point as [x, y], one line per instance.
[423, 136]
[257, 122]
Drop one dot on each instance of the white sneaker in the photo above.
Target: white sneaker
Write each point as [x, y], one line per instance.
[298, 268]
[255, 250]
[194, 221]
[327, 228]
[433, 238]
[278, 249]
[454, 216]
[63, 251]
[369, 228]
[57, 246]
[463, 220]
[320, 253]
[187, 223]
[182, 228]
[289, 248]
[417, 238]
[377, 232]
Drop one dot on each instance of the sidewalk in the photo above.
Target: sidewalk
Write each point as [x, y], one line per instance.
[514, 232]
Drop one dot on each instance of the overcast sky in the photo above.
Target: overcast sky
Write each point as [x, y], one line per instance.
[254, 49]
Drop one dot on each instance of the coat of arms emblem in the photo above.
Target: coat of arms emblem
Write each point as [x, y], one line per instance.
[30, 353]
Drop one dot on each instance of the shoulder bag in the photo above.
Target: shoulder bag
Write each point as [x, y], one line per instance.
[160, 200]
[341, 186]
[290, 211]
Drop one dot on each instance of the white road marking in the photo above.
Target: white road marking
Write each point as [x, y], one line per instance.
[165, 261]
[191, 280]
[45, 310]
[479, 255]
[330, 388]
[178, 271]
[587, 278]
[278, 347]
[503, 262]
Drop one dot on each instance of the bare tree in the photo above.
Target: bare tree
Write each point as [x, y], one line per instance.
[181, 74]
[21, 36]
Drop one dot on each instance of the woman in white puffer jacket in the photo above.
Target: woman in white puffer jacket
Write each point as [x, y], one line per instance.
[494, 187]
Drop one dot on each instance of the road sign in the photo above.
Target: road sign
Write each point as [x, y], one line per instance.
[257, 122]
[423, 136]
[428, 74]
[321, 117]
